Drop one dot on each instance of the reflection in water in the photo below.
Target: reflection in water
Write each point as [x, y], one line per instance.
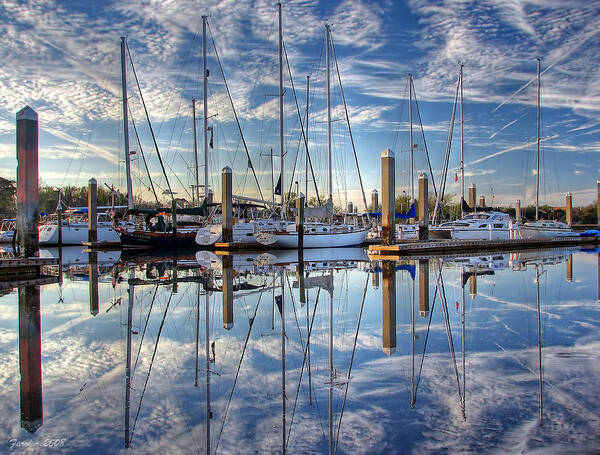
[195, 381]
[30, 358]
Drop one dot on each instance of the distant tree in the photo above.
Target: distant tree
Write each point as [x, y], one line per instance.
[8, 191]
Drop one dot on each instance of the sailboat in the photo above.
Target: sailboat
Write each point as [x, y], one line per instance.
[483, 225]
[317, 235]
[542, 229]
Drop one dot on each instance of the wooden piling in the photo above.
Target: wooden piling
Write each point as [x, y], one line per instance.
[388, 199]
[569, 209]
[28, 210]
[570, 268]
[423, 207]
[92, 211]
[482, 201]
[518, 210]
[374, 201]
[174, 221]
[226, 205]
[388, 297]
[472, 195]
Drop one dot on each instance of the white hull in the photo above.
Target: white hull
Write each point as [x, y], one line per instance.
[541, 232]
[74, 255]
[75, 233]
[317, 240]
[242, 232]
[480, 234]
[327, 255]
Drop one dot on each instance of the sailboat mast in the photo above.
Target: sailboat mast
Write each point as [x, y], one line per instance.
[126, 124]
[205, 95]
[539, 121]
[462, 145]
[410, 139]
[196, 193]
[207, 346]
[327, 64]
[281, 110]
[306, 129]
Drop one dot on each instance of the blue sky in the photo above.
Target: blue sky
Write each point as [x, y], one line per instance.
[62, 58]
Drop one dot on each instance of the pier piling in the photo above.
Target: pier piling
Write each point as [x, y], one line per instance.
[569, 209]
[374, 201]
[423, 287]
[226, 206]
[388, 199]
[482, 201]
[423, 207]
[92, 211]
[472, 195]
[518, 210]
[300, 224]
[228, 292]
[28, 209]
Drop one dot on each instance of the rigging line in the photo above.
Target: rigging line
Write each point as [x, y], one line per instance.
[238, 370]
[440, 195]
[162, 323]
[237, 120]
[144, 331]
[302, 369]
[362, 305]
[301, 125]
[362, 188]
[412, 404]
[424, 141]
[287, 278]
[444, 304]
[149, 123]
[294, 169]
[143, 157]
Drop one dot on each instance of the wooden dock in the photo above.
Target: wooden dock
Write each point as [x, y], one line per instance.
[432, 247]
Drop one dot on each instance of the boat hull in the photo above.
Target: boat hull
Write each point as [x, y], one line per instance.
[480, 234]
[316, 240]
[185, 239]
[76, 233]
[534, 232]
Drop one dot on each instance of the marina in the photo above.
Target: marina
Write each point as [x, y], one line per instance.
[299, 227]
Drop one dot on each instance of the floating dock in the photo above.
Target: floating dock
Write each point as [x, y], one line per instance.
[432, 247]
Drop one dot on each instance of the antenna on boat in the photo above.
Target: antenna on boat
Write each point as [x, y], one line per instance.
[126, 124]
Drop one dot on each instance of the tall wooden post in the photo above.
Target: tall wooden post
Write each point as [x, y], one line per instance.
[423, 207]
[226, 207]
[374, 201]
[388, 199]
[518, 210]
[569, 209]
[482, 201]
[28, 209]
[174, 221]
[30, 358]
[598, 200]
[92, 210]
[570, 268]
[472, 195]
[388, 297]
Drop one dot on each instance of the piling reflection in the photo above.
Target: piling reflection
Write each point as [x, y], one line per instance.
[30, 358]
[240, 352]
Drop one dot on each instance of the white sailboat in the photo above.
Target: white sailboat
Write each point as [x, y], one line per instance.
[542, 229]
[76, 232]
[317, 235]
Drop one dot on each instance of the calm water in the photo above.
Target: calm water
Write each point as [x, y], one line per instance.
[441, 355]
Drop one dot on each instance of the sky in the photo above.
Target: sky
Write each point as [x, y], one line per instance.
[62, 59]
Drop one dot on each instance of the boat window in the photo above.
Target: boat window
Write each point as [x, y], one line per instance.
[483, 226]
[498, 225]
[324, 229]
